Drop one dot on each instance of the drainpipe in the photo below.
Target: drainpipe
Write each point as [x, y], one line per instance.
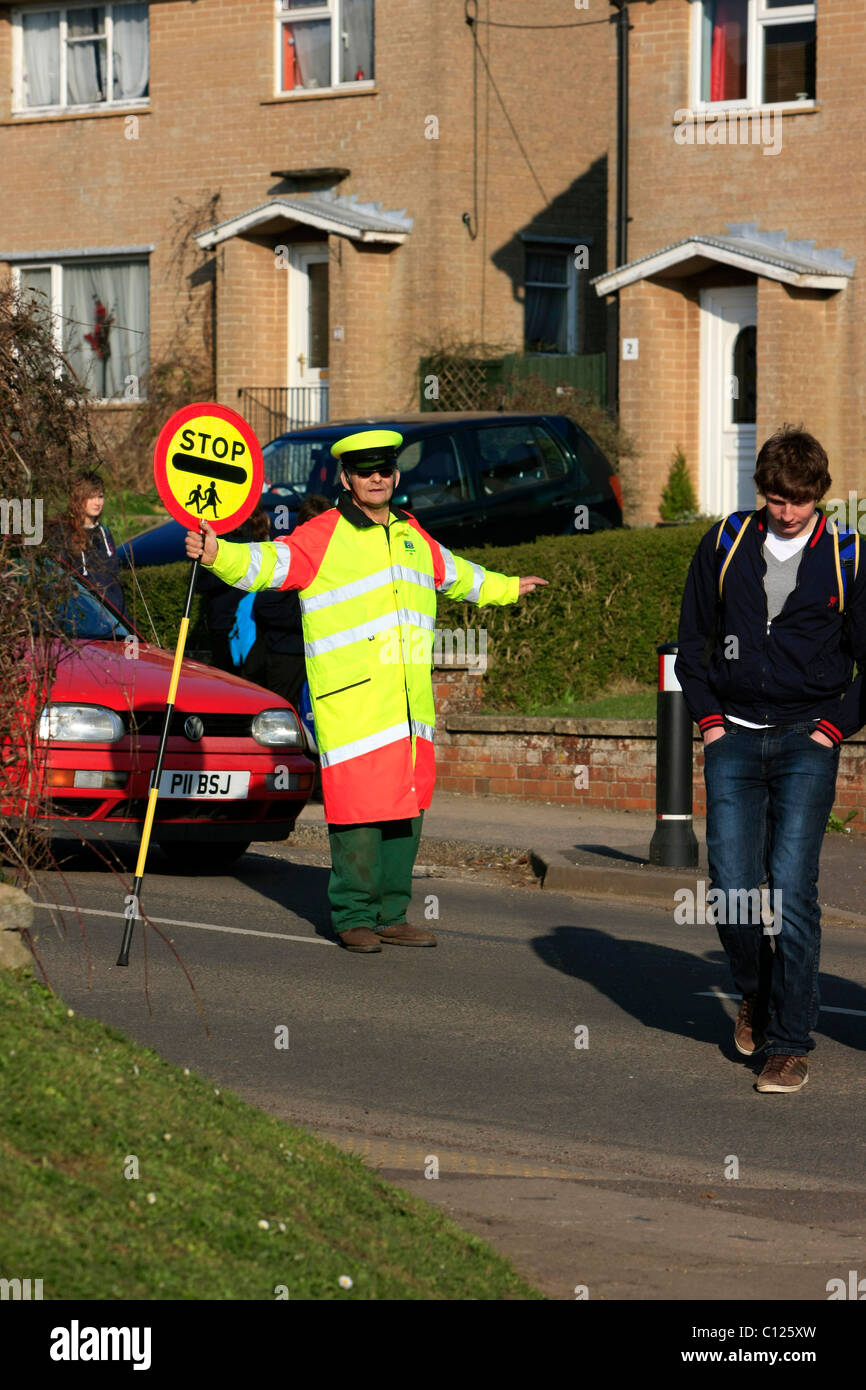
[622, 28]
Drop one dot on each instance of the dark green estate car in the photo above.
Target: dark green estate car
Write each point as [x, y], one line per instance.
[486, 479]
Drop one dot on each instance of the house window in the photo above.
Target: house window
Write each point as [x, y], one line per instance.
[756, 52]
[550, 307]
[325, 44]
[80, 56]
[99, 313]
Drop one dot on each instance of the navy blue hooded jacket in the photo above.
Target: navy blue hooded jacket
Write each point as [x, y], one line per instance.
[797, 668]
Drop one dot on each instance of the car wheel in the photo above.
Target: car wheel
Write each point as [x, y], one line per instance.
[201, 856]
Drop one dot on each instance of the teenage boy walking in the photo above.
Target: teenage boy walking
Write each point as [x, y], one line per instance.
[773, 618]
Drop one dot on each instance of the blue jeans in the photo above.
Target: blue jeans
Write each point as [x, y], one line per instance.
[769, 793]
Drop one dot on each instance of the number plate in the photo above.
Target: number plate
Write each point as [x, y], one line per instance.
[204, 786]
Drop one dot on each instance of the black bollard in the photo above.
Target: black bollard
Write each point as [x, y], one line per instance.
[673, 842]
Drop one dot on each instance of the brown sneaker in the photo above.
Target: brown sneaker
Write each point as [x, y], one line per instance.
[783, 1073]
[746, 1040]
[360, 939]
[404, 935]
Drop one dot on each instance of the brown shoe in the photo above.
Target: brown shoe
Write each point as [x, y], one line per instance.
[404, 935]
[360, 939]
[746, 1039]
[783, 1073]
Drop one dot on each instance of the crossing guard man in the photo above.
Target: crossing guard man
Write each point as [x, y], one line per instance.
[368, 577]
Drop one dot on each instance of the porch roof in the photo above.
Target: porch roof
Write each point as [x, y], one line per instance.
[769, 254]
[329, 212]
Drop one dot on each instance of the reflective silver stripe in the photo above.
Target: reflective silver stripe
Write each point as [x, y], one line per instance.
[450, 569]
[475, 592]
[346, 591]
[281, 568]
[370, 629]
[364, 745]
[350, 635]
[410, 615]
[364, 586]
[248, 580]
[422, 730]
[410, 576]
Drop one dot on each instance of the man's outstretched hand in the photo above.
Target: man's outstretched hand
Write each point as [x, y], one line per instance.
[531, 582]
[203, 545]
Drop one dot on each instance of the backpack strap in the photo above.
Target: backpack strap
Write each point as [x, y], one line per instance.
[846, 554]
[730, 533]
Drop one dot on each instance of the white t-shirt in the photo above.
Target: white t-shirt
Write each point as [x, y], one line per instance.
[784, 548]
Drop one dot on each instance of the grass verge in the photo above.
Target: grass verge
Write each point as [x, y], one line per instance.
[79, 1102]
[632, 705]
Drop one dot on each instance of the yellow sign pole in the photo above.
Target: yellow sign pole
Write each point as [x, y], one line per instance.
[131, 909]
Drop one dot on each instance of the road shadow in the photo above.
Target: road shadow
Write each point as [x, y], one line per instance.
[301, 889]
[663, 988]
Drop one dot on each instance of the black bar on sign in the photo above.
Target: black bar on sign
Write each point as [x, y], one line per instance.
[209, 468]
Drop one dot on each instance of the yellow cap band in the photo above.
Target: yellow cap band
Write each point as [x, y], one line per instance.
[365, 440]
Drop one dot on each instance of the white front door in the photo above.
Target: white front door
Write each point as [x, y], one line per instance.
[308, 334]
[729, 319]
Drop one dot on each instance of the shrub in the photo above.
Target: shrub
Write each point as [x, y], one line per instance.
[47, 437]
[160, 590]
[613, 598]
[679, 502]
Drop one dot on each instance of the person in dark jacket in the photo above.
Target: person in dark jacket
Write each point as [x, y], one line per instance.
[767, 671]
[221, 600]
[277, 658]
[86, 541]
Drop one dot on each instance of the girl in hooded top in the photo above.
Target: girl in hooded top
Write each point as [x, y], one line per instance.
[88, 543]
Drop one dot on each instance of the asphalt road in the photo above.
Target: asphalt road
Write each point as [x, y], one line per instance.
[610, 1165]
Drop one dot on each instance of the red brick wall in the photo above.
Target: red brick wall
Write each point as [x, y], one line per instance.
[604, 763]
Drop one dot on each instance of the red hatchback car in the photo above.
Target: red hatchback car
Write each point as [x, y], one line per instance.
[235, 768]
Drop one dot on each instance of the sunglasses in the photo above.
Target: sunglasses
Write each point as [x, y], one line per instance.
[385, 470]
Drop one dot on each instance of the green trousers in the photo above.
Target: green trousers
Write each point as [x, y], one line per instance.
[371, 872]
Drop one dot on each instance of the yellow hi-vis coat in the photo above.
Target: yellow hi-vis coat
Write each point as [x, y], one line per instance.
[368, 604]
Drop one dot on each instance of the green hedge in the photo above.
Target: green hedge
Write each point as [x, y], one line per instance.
[613, 597]
[163, 588]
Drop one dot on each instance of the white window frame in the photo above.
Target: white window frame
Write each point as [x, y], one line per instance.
[331, 10]
[570, 286]
[759, 19]
[56, 308]
[18, 105]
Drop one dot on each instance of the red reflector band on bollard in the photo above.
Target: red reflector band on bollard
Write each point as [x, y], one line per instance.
[667, 676]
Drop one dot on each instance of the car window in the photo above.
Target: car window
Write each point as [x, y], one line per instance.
[432, 472]
[515, 456]
[306, 465]
[83, 617]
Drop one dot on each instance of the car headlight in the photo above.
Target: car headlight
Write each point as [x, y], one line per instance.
[80, 724]
[277, 728]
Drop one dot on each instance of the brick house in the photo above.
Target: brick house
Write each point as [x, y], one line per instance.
[332, 185]
[739, 306]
